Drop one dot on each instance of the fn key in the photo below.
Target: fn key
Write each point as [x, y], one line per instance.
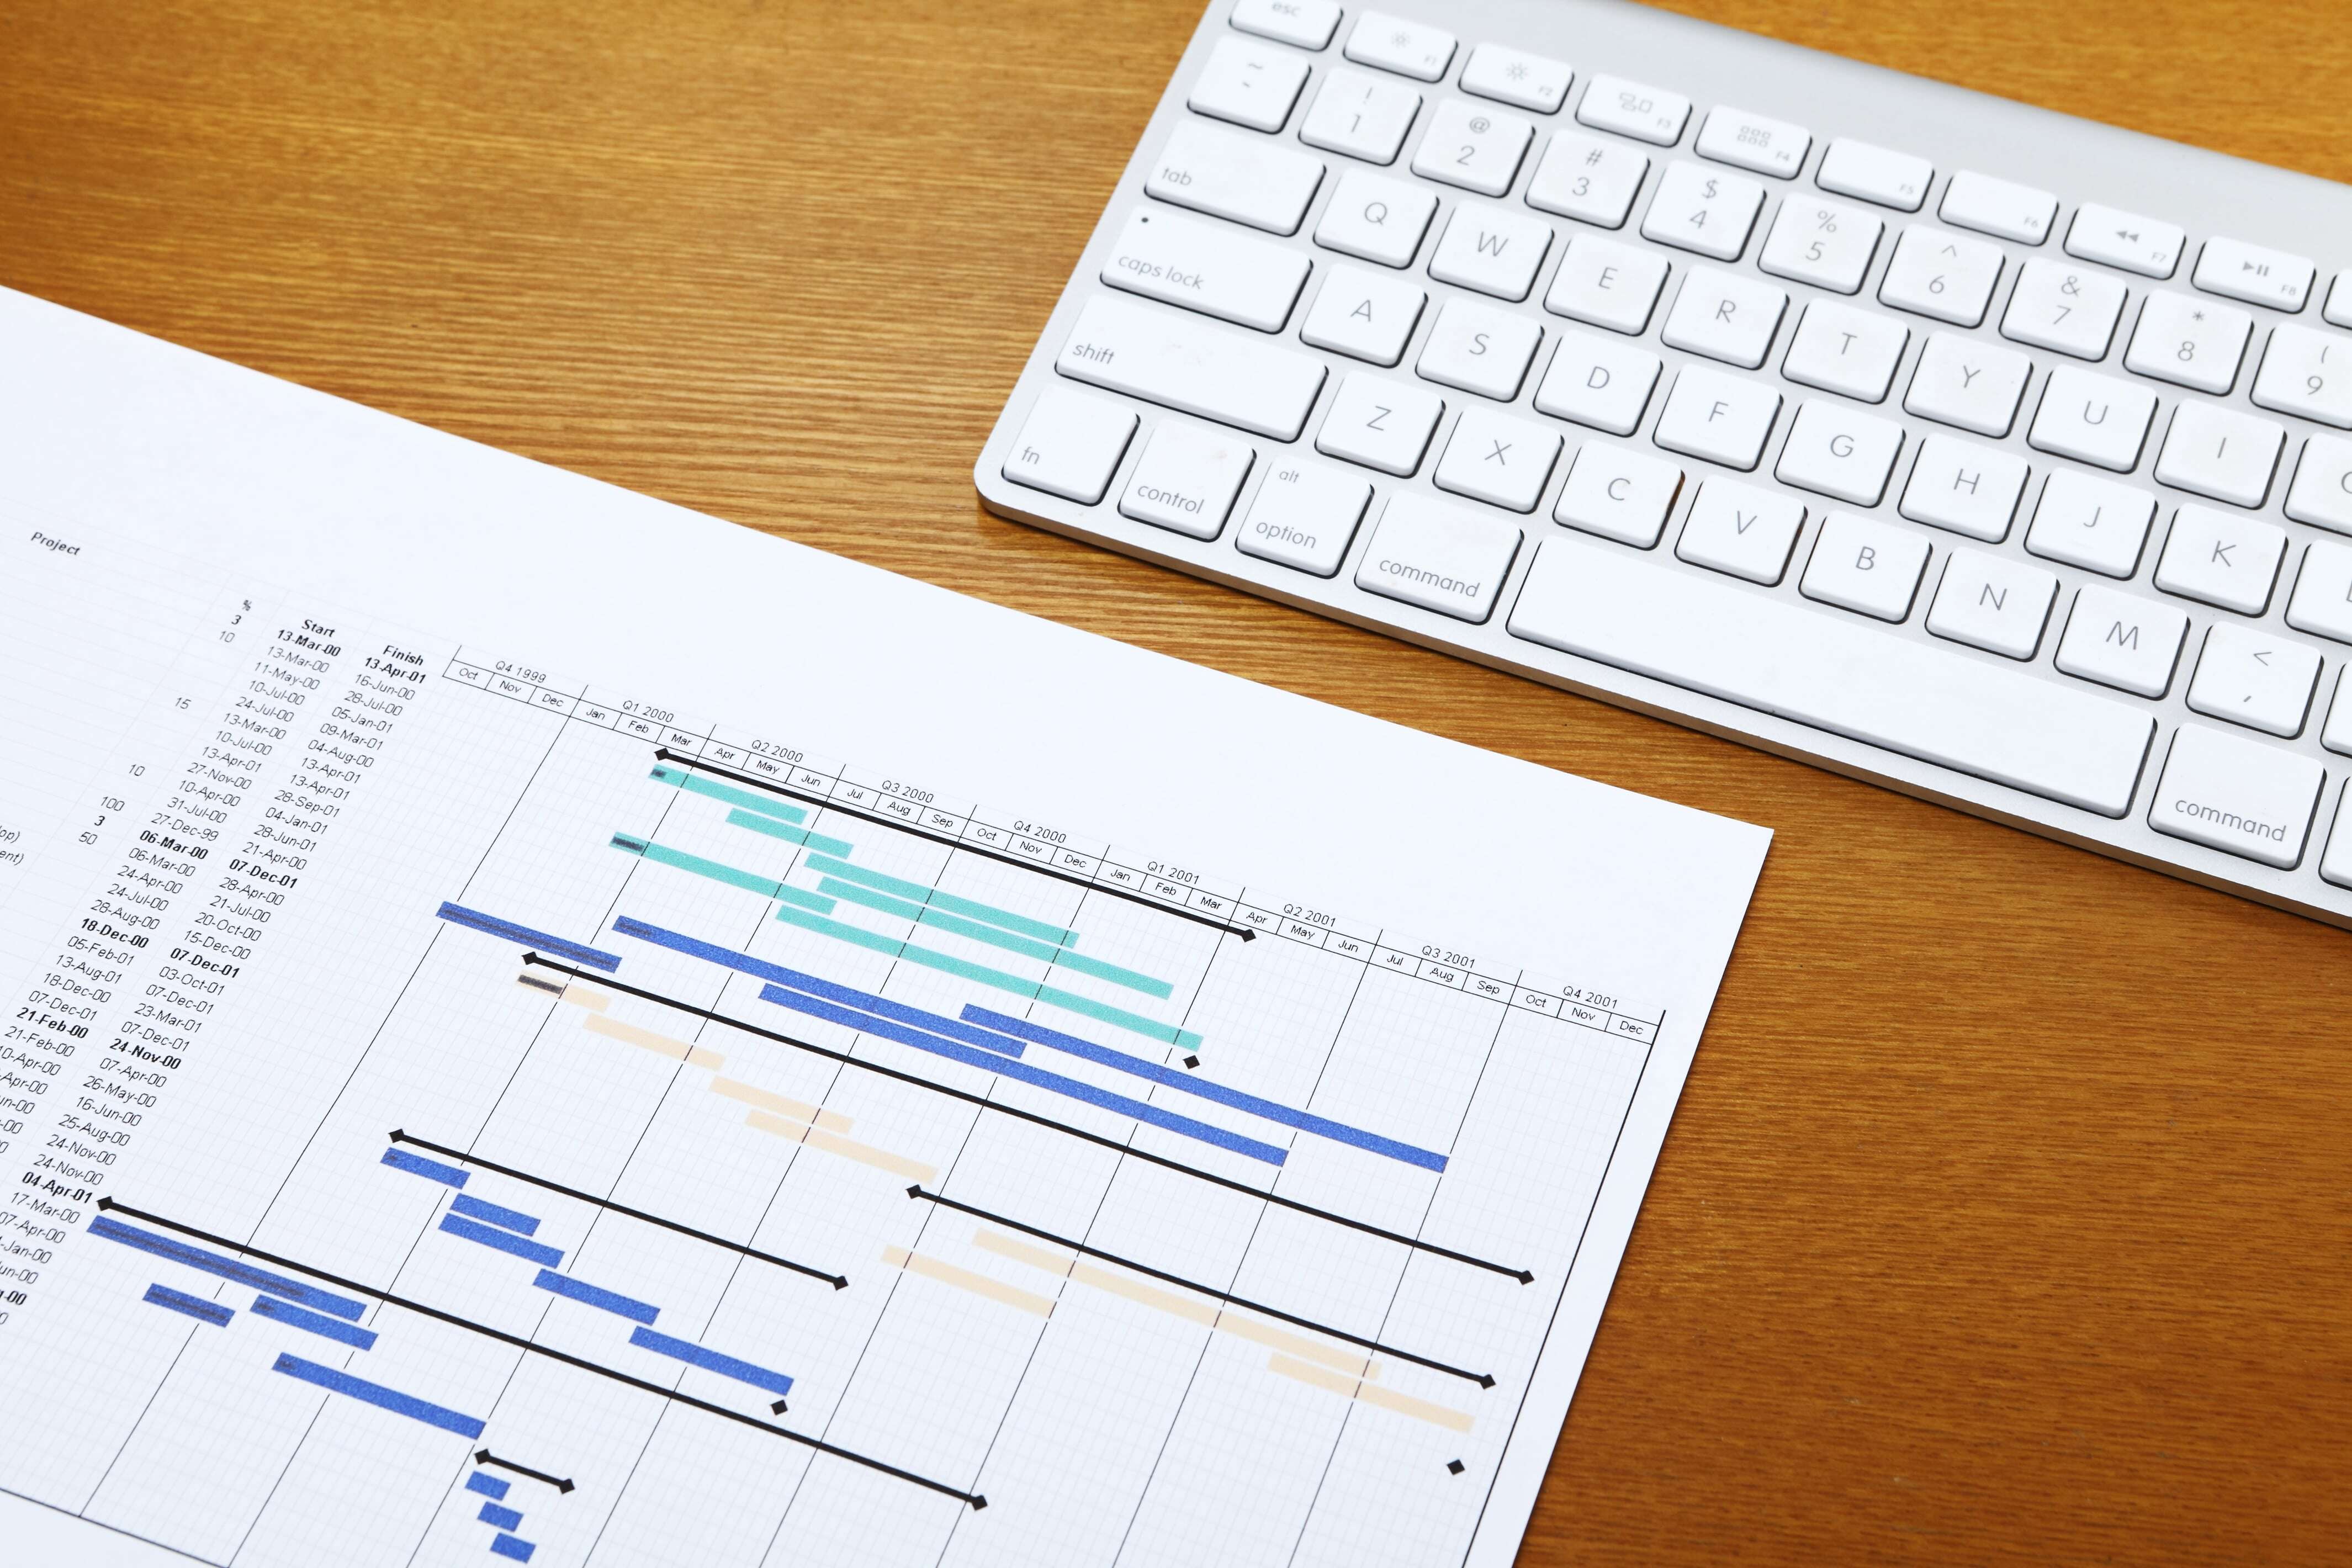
[1071, 445]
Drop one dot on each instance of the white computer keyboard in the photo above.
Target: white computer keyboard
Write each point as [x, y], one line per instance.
[1999, 456]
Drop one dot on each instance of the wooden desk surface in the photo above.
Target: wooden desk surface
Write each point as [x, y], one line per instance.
[2008, 1214]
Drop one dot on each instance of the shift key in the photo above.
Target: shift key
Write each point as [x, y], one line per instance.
[1187, 364]
[1212, 267]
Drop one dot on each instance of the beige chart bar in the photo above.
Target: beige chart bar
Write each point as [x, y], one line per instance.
[1386, 1398]
[677, 1051]
[833, 1143]
[783, 1105]
[965, 1279]
[1209, 1314]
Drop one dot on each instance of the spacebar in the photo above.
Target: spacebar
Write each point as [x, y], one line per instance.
[1816, 668]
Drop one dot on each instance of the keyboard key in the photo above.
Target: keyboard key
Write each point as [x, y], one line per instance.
[2190, 343]
[1212, 267]
[1705, 210]
[2069, 309]
[1070, 445]
[1965, 488]
[1834, 450]
[2338, 309]
[2322, 492]
[2093, 419]
[1937, 704]
[1722, 419]
[1605, 284]
[1303, 516]
[1377, 218]
[1498, 458]
[1754, 143]
[1187, 478]
[2309, 374]
[1998, 208]
[1228, 174]
[1441, 557]
[1740, 530]
[1391, 42]
[2136, 244]
[2124, 641]
[1968, 383]
[1513, 76]
[2236, 796]
[2337, 864]
[1894, 180]
[1476, 148]
[1366, 315]
[1870, 568]
[1725, 316]
[1479, 349]
[1248, 84]
[1309, 23]
[1822, 243]
[2255, 274]
[1840, 349]
[1384, 425]
[1617, 494]
[1363, 115]
[1937, 273]
[2096, 524]
[1491, 250]
[2251, 678]
[2217, 559]
[1586, 178]
[1630, 109]
[1596, 382]
[1992, 602]
[2322, 592]
[2338, 737]
[2220, 453]
[1193, 366]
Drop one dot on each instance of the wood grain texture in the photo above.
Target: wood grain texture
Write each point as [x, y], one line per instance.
[2007, 1215]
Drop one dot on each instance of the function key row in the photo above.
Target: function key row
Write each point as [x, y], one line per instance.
[1369, 119]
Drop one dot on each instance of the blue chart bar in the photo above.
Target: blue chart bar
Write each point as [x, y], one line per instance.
[794, 980]
[490, 1486]
[711, 1361]
[523, 936]
[228, 1268]
[498, 1514]
[1075, 1088]
[513, 1546]
[604, 1300]
[504, 1241]
[377, 1395]
[195, 1307]
[431, 1170]
[505, 1219]
[783, 993]
[1306, 1121]
[311, 1323]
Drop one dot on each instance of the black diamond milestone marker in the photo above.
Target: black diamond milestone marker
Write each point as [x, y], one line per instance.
[1453, 1465]
[1192, 1061]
